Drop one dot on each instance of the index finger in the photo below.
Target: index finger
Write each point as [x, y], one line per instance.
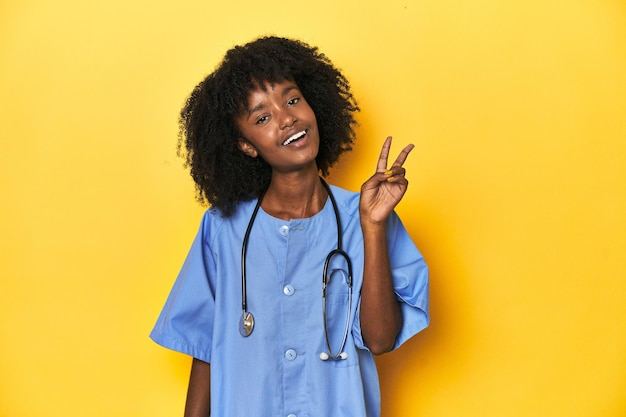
[384, 154]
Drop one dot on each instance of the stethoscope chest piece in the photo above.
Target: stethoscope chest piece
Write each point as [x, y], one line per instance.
[246, 324]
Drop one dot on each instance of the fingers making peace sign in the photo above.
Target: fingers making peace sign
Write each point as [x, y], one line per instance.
[383, 191]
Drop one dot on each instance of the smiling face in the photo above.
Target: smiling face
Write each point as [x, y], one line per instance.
[280, 126]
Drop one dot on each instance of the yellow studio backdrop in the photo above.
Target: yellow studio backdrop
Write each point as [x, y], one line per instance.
[517, 196]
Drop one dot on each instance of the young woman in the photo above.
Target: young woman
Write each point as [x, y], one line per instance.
[291, 285]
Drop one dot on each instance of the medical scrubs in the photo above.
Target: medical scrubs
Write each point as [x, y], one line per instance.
[277, 370]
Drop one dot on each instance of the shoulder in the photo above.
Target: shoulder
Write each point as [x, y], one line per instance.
[348, 205]
[213, 221]
[347, 201]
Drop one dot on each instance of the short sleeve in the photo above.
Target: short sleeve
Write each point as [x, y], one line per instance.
[186, 321]
[410, 281]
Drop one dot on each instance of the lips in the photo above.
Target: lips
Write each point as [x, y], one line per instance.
[296, 136]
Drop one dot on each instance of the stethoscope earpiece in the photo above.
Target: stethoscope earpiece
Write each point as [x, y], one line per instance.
[324, 356]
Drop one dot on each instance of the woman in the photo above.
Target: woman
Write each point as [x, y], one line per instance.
[267, 335]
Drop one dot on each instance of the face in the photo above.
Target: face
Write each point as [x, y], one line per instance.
[280, 126]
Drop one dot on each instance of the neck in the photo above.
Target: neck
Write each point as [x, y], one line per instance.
[294, 196]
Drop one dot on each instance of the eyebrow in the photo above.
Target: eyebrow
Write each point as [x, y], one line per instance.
[288, 89]
[260, 106]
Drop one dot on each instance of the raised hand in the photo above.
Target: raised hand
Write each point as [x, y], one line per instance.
[383, 191]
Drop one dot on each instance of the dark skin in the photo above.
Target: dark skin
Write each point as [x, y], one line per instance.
[380, 314]
[274, 116]
[199, 392]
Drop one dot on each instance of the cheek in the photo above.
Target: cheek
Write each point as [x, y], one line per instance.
[310, 116]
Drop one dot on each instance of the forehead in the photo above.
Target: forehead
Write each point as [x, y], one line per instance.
[259, 90]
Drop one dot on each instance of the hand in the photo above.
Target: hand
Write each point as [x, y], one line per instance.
[383, 191]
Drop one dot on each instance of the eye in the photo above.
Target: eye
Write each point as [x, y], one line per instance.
[293, 101]
[261, 120]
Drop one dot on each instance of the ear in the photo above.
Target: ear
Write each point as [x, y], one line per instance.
[247, 148]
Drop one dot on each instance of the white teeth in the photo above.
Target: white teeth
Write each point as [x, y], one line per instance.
[294, 137]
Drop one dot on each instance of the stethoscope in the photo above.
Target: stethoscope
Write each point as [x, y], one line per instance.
[246, 323]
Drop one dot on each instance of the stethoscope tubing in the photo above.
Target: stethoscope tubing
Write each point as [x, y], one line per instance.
[325, 279]
[246, 324]
[244, 249]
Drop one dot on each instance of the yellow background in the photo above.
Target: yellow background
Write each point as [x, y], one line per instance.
[517, 195]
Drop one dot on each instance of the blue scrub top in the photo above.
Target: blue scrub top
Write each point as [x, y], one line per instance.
[277, 370]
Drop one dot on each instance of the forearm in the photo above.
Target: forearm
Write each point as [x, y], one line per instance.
[381, 316]
[199, 391]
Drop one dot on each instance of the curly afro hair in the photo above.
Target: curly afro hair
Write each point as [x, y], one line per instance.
[224, 176]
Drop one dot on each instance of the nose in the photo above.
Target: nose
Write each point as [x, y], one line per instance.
[286, 119]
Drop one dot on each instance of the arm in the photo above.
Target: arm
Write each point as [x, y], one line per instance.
[381, 316]
[199, 391]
